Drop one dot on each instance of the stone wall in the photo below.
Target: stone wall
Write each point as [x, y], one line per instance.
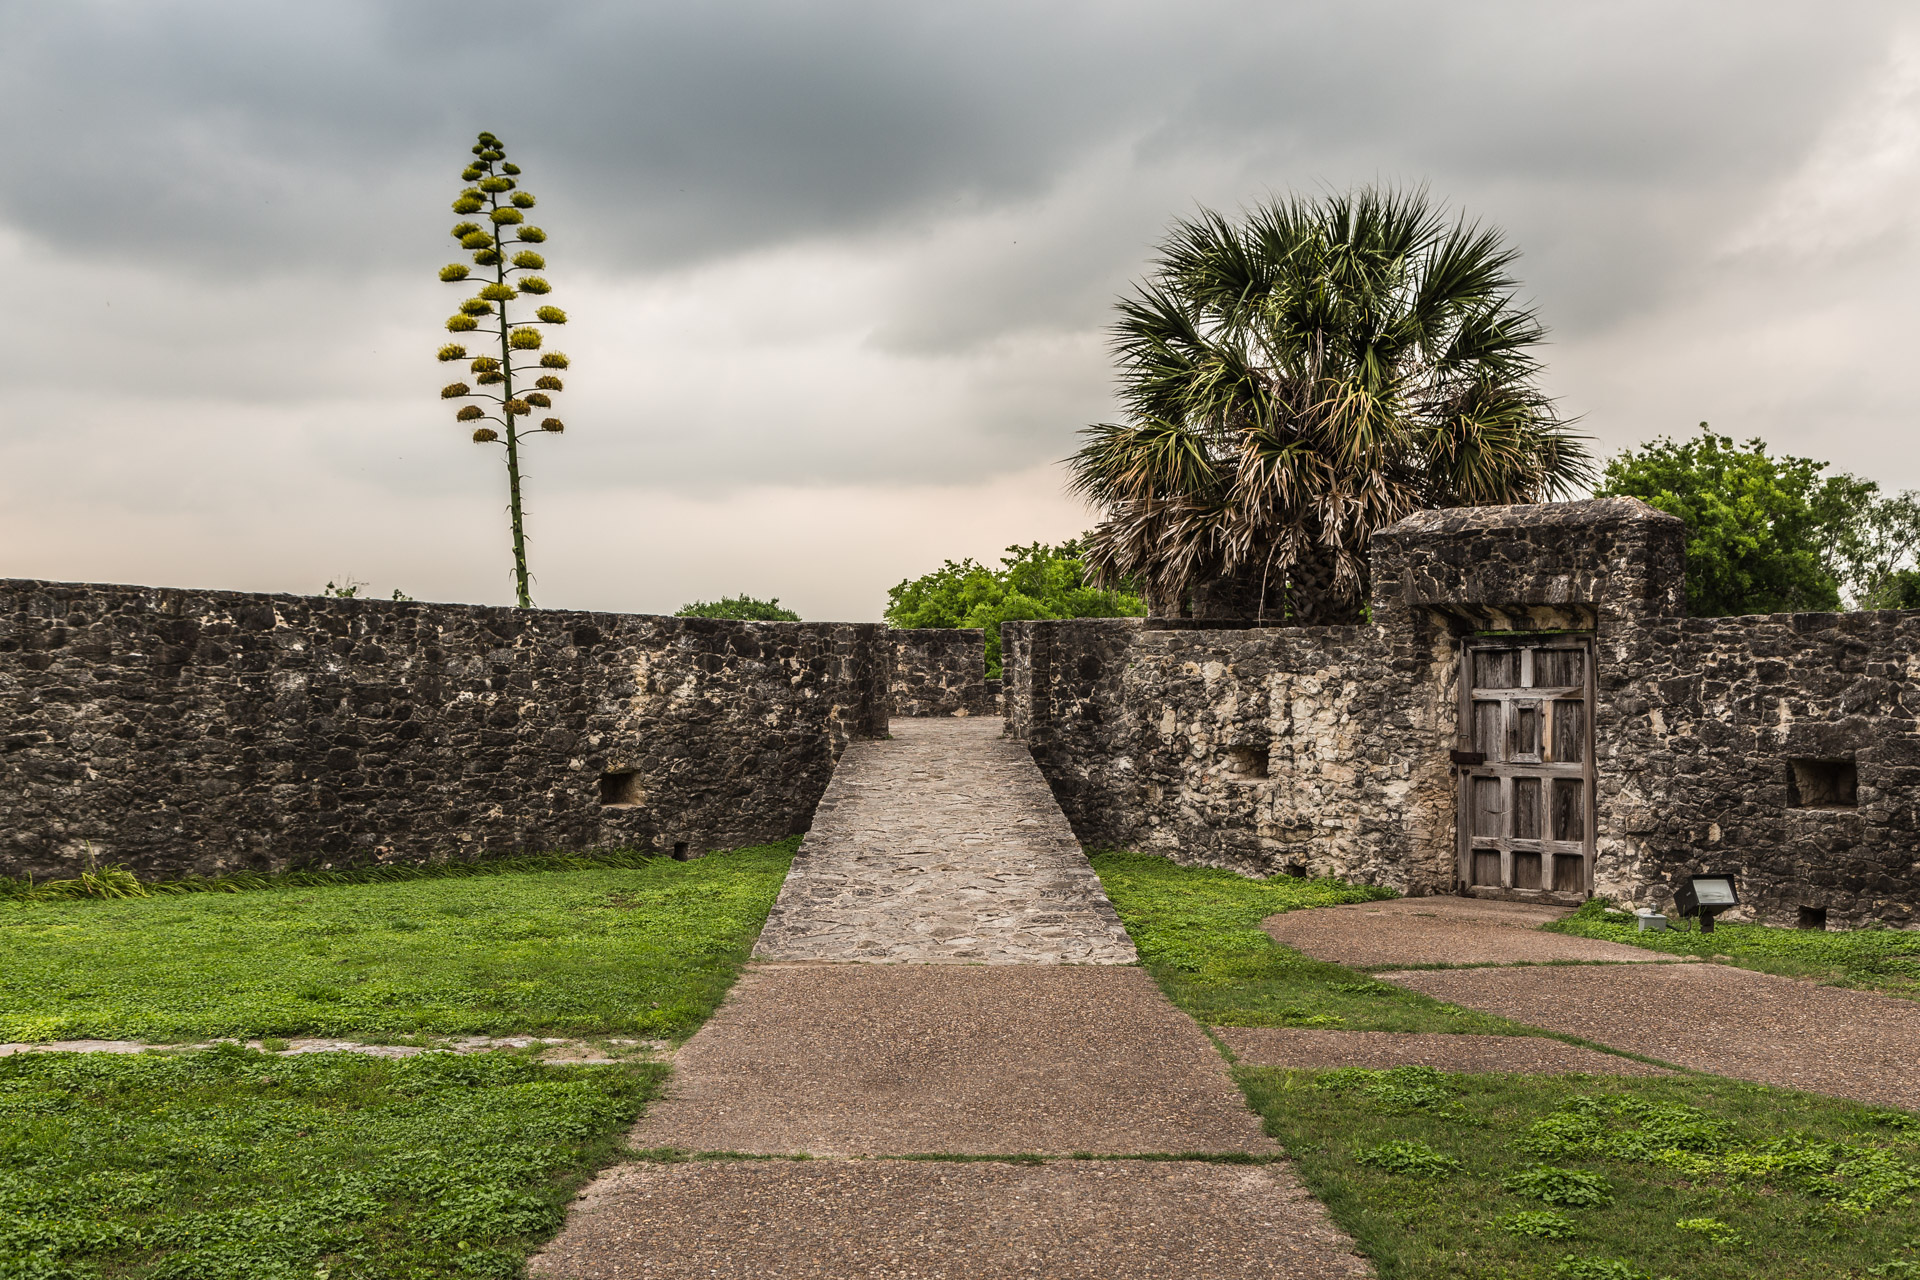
[1698, 773]
[200, 731]
[1271, 750]
[940, 672]
[1156, 738]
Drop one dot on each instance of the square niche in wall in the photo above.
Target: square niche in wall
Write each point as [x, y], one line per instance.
[1247, 762]
[620, 788]
[1822, 784]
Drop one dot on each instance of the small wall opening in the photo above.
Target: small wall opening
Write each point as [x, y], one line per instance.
[1298, 870]
[1822, 784]
[1247, 761]
[679, 850]
[620, 787]
[1812, 918]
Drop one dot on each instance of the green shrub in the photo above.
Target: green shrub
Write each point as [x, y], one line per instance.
[1034, 582]
[741, 608]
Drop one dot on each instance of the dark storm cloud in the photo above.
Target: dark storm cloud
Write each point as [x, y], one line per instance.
[249, 137]
[862, 243]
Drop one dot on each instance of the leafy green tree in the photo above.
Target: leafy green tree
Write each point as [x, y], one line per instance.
[503, 380]
[1875, 558]
[1764, 534]
[1297, 379]
[1033, 582]
[741, 608]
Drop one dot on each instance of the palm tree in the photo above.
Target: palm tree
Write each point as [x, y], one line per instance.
[1301, 378]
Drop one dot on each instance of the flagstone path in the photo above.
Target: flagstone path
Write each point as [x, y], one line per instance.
[943, 975]
[942, 844]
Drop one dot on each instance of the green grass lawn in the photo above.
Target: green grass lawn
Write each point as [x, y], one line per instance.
[1198, 933]
[645, 951]
[1886, 960]
[225, 1164]
[1599, 1178]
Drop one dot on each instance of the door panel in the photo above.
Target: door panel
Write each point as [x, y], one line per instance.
[1488, 818]
[1526, 808]
[1569, 731]
[1523, 816]
[1569, 815]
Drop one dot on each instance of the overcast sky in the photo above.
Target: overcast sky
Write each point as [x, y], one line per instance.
[839, 273]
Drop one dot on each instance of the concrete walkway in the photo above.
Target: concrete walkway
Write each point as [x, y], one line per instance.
[1404, 932]
[1004, 1025]
[1707, 1017]
[1713, 1018]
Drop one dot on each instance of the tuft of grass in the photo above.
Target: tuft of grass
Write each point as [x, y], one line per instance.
[644, 951]
[1885, 960]
[1198, 932]
[1650, 1176]
[226, 1163]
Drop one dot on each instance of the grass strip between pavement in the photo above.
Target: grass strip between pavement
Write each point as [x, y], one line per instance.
[1198, 933]
[1883, 960]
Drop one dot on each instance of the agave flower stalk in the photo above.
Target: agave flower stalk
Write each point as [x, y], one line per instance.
[507, 387]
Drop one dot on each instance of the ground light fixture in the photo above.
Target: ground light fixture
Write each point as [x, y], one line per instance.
[1706, 896]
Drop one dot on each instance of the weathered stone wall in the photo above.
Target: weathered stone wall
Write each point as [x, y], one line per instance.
[1697, 775]
[1278, 749]
[940, 672]
[1152, 737]
[198, 731]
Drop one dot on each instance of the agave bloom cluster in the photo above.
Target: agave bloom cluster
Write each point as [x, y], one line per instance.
[507, 388]
[504, 279]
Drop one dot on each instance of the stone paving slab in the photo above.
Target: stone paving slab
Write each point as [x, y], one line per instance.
[1314, 1049]
[892, 1219]
[943, 844]
[913, 1059]
[1710, 1017]
[1440, 930]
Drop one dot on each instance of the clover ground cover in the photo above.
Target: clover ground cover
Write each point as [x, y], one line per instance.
[1599, 1178]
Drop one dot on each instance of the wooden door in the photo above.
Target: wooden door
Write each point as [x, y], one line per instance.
[1526, 773]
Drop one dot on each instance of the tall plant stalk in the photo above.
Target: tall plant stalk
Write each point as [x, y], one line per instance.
[495, 191]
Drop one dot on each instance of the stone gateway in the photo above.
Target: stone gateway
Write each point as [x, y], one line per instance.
[1530, 715]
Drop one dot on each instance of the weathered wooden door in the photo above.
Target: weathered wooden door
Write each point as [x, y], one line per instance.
[1526, 764]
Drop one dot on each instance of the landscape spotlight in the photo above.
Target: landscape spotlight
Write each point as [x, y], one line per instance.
[1706, 896]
